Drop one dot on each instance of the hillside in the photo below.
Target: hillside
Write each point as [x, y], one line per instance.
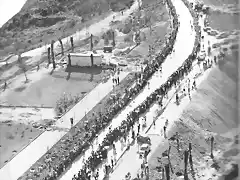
[40, 21]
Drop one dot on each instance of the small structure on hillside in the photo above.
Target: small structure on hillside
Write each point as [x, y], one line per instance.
[108, 49]
[85, 59]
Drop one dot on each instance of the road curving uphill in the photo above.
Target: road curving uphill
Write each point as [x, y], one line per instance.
[185, 42]
[181, 8]
[72, 148]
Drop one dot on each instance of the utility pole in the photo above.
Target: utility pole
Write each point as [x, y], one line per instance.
[91, 41]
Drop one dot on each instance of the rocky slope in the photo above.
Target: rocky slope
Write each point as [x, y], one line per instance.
[39, 21]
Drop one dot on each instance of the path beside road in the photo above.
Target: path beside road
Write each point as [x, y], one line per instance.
[170, 65]
[130, 161]
[28, 156]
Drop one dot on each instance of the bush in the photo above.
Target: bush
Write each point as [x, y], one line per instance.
[128, 38]
[65, 101]
[143, 36]
[108, 34]
[127, 28]
[96, 41]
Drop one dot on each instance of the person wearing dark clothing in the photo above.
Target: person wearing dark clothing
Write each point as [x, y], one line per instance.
[112, 162]
[133, 134]
[164, 131]
[138, 129]
[177, 99]
[71, 121]
[118, 80]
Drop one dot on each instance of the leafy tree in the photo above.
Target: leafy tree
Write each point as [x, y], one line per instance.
[64, 102]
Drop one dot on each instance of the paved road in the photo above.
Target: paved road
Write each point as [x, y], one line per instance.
[27, 157]
[130, 161]
[171, 64]
[183, 47]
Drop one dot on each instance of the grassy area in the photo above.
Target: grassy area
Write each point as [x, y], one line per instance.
[13, 137]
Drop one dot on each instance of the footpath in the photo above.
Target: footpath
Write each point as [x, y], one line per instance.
[170, 65]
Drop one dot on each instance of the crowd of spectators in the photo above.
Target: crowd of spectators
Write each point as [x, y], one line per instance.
[57, 162]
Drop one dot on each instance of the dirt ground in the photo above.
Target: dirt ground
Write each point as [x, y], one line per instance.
[44, 89]
[13, 137]
[211, 112]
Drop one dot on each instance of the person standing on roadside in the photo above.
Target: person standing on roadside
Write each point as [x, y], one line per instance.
[164, 131]
[71, 121]
[118, 80]
[194, 84]
[177, 99]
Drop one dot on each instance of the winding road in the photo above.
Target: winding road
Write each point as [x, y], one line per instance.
[183, 47]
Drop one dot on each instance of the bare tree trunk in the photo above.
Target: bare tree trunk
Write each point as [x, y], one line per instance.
[190, 153]
[72, 45]
[170, 165]
[163, 174]
[61, 44]
[91, 42]
[178, 146]
[114, 44]
[167, 170]
[212, 140]
[185, 165]
[49, 55]
[53, 56]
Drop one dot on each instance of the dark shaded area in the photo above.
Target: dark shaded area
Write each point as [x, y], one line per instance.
[95, 70]
[20, 89]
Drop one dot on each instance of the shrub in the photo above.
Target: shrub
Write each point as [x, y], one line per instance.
[128, 38]
[127, 28]
[64, 102]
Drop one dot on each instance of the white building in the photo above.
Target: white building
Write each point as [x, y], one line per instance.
[85, 59]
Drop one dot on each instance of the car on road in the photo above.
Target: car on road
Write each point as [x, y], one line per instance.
[144, 148]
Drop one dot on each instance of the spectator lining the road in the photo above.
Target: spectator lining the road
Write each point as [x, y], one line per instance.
[97, 157]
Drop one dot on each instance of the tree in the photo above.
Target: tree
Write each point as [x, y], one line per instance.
[113, 37]
[212, 140]
[72, 45]
[22, 66]
[185, 165]
[52, 52]
[91, 42]
[61, 44]
[49, 55]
